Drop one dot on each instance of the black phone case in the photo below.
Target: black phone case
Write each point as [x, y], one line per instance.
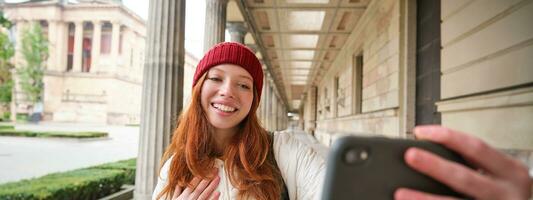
[383, 171]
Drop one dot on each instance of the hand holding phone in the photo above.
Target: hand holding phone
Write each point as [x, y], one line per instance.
[374, 168]
[494, 176]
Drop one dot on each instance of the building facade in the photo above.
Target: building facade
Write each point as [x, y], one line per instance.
[466, 65]
[96, 58]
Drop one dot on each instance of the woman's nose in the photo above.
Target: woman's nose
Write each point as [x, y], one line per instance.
[226, 90]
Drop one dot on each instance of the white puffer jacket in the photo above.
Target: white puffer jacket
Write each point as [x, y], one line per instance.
[300, 158]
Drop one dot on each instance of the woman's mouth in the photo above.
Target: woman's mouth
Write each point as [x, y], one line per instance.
[224, 108]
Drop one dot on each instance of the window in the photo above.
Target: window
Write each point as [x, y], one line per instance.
[357, 83]
[105, 40]
[105, 44]
[337, 95]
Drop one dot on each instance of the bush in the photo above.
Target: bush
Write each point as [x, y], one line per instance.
[6, 127]
[127, 166]
[22, 117]
[6, 116]
[24, 133]
[91, 183]
[5, 91]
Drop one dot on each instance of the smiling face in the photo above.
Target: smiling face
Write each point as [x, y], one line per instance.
[227, 95]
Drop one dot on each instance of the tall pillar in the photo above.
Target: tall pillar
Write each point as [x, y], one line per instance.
[279, 117]
[78, 41]
[274, 110]
[267, 103]
[215, 22]
[312, 98]
[95, 47]
[51, 63]
[115, 42]
[61, 45]
[237, 31]
[21, 26]
[162, 97]
[254, 48]
[259, 111]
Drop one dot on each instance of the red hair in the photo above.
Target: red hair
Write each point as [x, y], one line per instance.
[246, 163]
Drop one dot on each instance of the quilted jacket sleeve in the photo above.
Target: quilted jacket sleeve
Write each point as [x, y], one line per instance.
[162, 178]
[301, 160]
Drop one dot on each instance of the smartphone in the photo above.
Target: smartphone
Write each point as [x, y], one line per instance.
[374, 167]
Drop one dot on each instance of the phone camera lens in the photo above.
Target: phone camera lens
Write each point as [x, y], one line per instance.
[355, 156]
[363, 155]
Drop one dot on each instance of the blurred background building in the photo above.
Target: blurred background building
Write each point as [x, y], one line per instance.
[96, 56]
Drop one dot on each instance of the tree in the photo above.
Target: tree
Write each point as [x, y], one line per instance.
[6, 52]
[34, 52]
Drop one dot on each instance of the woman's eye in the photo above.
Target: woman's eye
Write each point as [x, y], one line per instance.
[214, 79]
[244, 86]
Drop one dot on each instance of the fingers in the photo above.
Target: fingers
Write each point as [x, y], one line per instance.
[199, 189]
[208, 192]
[408, 194]
[177, 192]
[456, 176]
[187, 192]
[474, 150]
[504, 178]
[215, 195]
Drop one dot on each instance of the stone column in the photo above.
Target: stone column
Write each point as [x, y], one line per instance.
[115, 42]
[254, 48]
[215, 22]
[162, 96]
[51, 63]
[280, 116]
[274, 102]
[266, 101]
[259, 111]
[312, 98]
[95, 47]
[78, 44]
[61, 46]
[237, 31]
[21, 26]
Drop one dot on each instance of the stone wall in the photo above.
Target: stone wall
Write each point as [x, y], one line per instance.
[487, 70]
[309, 111]
[377, 39]
[100, 98]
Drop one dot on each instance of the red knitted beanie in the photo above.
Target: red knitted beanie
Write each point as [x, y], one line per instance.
[231, 53]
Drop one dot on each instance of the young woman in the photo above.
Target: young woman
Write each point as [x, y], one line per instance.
[219, 149]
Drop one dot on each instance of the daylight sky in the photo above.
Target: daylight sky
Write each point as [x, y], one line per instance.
[194, 22]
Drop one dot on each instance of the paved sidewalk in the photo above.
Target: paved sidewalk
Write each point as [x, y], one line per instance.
[22, 157]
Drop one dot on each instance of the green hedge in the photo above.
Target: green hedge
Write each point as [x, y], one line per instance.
[88, 183]
[5, 116]
[24, 133]
[3, 127]
[22, 117]
[78, 184]
[127, 166]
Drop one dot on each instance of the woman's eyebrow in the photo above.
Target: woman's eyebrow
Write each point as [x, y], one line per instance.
[215, 69]
[247, 77]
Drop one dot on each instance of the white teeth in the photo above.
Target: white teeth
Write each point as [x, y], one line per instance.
[224, 107]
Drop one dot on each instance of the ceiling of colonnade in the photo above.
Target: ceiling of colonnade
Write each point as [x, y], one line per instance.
[299, 38]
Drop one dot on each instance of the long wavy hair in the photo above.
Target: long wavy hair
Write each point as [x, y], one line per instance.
[246, 163]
